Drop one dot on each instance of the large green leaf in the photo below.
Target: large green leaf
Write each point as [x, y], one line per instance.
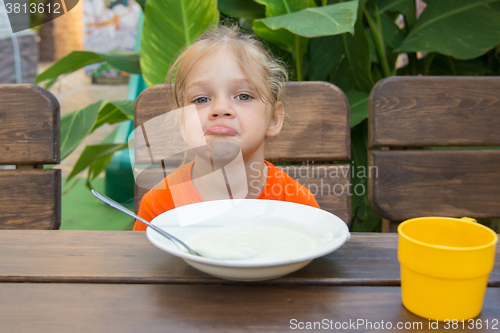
[248, 9]
[472, 67]
[281, 37]
[463, 29]
[393, 36]
[445, 65]
[377, 74]
[115, 112]
[495, 6]
[95, 157]
[317, 21]
[324, 53]
[127, 61]
[406, 7]
[281, 7]
[358, 103]
[357, 52]
[169, 26]
[75, 126]
[342, 76]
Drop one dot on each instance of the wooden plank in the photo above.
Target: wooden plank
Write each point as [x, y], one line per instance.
[435, 111]
[329, 183]
[318, 128]
[128, 257]
[393, 226]
[386, 225]
[452, 183]
[57, 307]
[30, 125]
[30, 199]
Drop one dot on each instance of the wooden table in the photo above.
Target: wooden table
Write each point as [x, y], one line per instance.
[107, 281]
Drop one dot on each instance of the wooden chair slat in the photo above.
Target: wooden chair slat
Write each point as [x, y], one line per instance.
[318, 129]
[30, 199]
[435, 111]
[329, 184]
[30, 132]
[454, 183]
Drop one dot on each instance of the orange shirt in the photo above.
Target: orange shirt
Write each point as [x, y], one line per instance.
[278, 186]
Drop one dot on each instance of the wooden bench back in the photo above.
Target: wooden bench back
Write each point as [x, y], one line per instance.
[407, 115]
[30, 197]
[318, 130]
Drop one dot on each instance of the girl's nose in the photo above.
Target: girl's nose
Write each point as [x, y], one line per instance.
[220, 109]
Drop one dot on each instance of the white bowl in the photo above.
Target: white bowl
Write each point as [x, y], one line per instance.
[327, 230]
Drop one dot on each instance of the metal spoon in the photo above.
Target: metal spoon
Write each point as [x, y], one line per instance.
[122, 209]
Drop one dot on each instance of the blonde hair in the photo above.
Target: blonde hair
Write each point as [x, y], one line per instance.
[265, 73]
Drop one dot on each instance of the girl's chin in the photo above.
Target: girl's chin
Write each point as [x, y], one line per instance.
[219, 138]
[220, 152]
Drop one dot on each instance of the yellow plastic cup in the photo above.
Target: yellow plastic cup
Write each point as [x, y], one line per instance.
[445, 263]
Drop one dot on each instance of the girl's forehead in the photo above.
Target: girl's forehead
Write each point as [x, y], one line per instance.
[215, 61]
[236, 81]
[215, 67]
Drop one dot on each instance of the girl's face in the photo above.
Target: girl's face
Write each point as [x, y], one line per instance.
[228, 107]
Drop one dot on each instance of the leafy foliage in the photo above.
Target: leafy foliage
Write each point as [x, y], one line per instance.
[169, 26]
[75, 126]
[248, 9]
[329, 20]
[463, 29]
[127, 61]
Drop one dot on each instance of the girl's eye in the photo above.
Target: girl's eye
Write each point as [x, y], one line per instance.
[243, 97]
[201, 100]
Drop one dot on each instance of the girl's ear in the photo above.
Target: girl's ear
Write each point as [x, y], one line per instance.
[276, 121]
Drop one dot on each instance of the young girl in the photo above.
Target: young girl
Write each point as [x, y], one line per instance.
[235, 89]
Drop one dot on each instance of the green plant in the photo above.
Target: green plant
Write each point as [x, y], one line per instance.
[352, 44]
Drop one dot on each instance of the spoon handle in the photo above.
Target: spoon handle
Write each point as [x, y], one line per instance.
[123, 209]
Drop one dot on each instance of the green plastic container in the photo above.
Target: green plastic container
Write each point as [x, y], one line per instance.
[119, 177]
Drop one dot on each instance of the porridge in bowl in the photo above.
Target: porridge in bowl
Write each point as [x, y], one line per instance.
[252, 243]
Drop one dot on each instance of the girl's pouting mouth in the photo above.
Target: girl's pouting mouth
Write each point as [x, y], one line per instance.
[220, 130]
